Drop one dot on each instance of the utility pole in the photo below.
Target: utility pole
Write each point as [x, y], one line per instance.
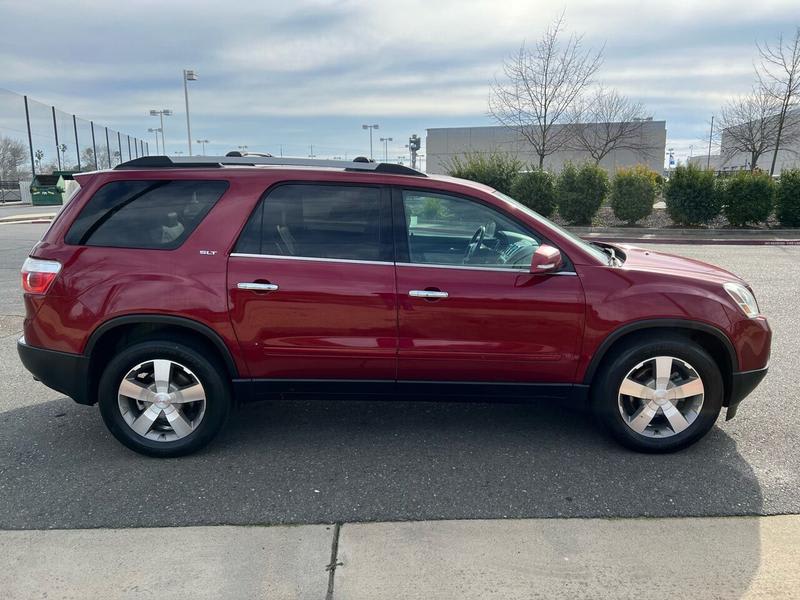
[710, 135]
[188, 75]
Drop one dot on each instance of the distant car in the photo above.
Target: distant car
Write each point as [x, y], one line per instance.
[169, 289]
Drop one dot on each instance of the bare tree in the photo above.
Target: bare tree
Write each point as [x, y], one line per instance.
[749, 125]
[779, 73]
[607, 121]
[13, 157]
[541, 85]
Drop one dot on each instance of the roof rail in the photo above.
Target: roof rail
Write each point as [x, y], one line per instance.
[194, 162]
[240, 153]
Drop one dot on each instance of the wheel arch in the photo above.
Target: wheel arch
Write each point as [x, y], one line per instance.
[710, 338]
[129, 329]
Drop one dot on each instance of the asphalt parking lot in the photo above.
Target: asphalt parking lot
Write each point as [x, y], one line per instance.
[319, 462]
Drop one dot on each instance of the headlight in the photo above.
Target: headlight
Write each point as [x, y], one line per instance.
[744, 299]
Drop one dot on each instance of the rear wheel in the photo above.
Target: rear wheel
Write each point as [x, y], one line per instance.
[659, 396]
[163, 399]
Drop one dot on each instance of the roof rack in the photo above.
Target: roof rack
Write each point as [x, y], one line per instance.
[195, 162]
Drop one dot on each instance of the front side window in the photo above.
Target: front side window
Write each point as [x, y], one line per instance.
[320, 221]
[449, 230]
[144, 214]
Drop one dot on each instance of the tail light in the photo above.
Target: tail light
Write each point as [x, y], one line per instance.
[38, 275]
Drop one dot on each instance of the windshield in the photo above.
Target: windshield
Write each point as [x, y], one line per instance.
[593, 250]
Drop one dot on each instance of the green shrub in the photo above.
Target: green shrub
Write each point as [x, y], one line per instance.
[656, 178]
[633, 193]
[787, 198]
[495, 170]
[747, 198]
[580, 193]
[536, 190]
[691, 196]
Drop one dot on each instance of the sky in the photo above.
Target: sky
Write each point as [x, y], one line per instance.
[301, 76]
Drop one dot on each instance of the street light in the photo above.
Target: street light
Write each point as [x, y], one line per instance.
[162, 113]
[386, 148]
[188, 75]
[242, 148]
[203, 143]
[370, 127]
[155, 130]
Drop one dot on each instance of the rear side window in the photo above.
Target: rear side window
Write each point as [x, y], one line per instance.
[144, 214]
[321, 221]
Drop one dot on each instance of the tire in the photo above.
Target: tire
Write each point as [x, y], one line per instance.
[167, 411]
[645, 419]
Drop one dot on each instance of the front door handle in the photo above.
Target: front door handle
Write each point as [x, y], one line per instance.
[427, 294]
[258, 287]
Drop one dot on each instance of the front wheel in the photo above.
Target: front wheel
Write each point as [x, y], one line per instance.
[659, 396]
[163, 398]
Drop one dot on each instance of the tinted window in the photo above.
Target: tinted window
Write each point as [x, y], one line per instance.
[449, 230]
[144, 214]
[320, 221]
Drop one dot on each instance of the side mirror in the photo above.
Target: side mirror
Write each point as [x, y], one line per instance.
[546, 259]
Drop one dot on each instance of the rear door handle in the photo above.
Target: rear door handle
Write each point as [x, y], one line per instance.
[427, 294]
[258, 287]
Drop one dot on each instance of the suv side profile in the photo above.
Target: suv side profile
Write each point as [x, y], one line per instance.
[168, 290]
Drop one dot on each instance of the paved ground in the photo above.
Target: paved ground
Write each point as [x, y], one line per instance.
[598, 559]
[320, 462]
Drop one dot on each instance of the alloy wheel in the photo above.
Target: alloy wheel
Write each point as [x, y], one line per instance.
[161, 400]
[661, 397]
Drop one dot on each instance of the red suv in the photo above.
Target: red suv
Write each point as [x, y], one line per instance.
[170, 289]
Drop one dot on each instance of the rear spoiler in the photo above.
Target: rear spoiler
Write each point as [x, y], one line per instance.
[84, 179]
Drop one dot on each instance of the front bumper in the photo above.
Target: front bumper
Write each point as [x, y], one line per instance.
[64, 372]
[741, 385]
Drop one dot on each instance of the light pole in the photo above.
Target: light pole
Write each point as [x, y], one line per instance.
[203, 144]
[242, 149]
[386, 148]
[155, 130]
[188, 75]
[370, 127]
[165, 112]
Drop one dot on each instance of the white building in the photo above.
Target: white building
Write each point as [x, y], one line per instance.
[444, 144]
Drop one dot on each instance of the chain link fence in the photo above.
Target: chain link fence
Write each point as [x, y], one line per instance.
[37, 138]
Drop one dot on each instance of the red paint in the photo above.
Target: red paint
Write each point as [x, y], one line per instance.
[339, 320]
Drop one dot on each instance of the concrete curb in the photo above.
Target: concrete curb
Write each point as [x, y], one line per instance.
[744, 237]
[29, 218]
[693, 242]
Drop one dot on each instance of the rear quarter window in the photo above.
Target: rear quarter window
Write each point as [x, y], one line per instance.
[158, 214]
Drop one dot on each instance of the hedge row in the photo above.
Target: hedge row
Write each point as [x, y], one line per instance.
[693, 196]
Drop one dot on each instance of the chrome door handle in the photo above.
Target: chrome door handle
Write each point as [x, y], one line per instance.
[427, 294]
[258, 287]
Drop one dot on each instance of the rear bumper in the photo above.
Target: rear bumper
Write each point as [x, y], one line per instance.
[64, 372]
[741, 385]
